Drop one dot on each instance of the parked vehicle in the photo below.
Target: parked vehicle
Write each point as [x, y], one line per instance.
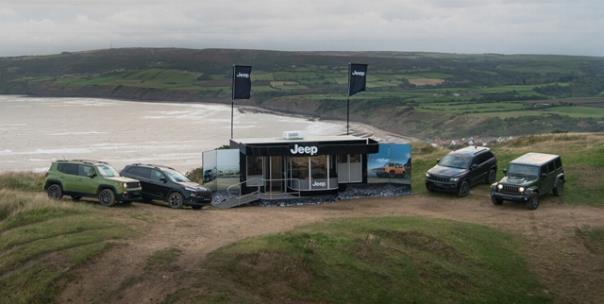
[528, 177]
[459, 170]
[166, 184]
[391, 170]
[82, 178]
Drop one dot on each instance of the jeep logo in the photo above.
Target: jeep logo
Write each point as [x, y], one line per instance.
[243, 75]
[310, 150]
[358, 73]
[319, 184]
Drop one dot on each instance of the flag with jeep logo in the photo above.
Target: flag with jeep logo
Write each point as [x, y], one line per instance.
[242, 81]
[357, 75]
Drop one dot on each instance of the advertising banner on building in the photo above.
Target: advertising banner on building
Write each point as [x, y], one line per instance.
[220, 168]
[242, 81]
[392, 164]
[357, 76]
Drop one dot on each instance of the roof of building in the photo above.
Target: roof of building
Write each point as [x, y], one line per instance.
[311, 139]
[533, 158]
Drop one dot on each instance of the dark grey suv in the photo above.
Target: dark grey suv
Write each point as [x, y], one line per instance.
[459, 170]
[166, 184]
[528, 177]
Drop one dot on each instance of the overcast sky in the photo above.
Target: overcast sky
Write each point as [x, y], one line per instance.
[461, 26]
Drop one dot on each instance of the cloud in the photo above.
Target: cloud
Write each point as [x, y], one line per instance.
[469, 26]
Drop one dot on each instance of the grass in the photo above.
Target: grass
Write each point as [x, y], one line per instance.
[378, 260]
[22, 181]
[593, 238]
[582, 157]
[41, 241]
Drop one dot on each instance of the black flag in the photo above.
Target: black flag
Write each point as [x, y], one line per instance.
[242, 81]
[357, 75]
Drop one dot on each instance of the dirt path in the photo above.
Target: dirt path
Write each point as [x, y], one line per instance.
[564, 265]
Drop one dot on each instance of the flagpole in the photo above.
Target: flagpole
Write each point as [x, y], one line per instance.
[348, 102]
[348, 116]
[232, 99]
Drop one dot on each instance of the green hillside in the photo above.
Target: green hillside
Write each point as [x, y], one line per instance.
[422, 94]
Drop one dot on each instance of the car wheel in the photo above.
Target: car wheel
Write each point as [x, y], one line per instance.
[196, 207]
[54, 192]
[559, 188]
[76, 198]
[492, 177]
[107, 197]
[496, 200]
[464, 189]
[175, 200]
[533, 202]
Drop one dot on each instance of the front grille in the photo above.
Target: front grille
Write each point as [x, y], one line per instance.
[510, 189]
[441, 179]
[132, 185]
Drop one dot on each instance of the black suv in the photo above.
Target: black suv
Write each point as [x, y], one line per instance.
[528, 177]
[462, 169]
[169, 185]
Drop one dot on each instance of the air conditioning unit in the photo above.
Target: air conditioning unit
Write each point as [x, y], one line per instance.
[291, 135]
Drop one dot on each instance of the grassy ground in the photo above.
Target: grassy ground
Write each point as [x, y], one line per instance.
[385, 260]
[41, 241]
[582, 157]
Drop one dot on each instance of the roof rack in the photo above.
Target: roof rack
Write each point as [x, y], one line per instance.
[472, 149]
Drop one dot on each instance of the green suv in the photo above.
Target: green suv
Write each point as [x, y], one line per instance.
[81, 178]
[528, 177]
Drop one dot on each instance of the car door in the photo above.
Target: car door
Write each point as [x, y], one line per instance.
[86, 184]
[544, 175]
[69, 176]
[476, 169]
[551, 176]
[143, 175]
[160, 184]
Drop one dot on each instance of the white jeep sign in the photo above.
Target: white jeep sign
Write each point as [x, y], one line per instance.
[310, 150]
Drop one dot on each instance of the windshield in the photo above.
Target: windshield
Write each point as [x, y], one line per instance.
[455, 161]
[107, 171]
[175, 176]
[516, 170]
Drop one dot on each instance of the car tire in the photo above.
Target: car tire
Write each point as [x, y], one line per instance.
[533, 202]
[196, 207]
[464, 189]
[54, 192]
[496, 200]
[491, 177]
[76, 198]
[175, 200]
[107, 197]
[559, 188]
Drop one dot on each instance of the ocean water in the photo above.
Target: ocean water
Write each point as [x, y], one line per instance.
[35, 131]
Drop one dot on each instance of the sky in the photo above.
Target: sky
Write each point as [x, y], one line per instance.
[456, 26]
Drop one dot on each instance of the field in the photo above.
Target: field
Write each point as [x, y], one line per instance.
[426, 248]
[424, 95]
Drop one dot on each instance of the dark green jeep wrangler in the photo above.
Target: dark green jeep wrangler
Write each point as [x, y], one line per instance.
[528, 177]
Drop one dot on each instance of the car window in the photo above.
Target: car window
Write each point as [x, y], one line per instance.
[71, 169]
[551, 167]
[156, 175]
[558, 163]
[544, 169]
[85, 170]
[488, 155]
[140, 172]
[107, 171]
[455, 161]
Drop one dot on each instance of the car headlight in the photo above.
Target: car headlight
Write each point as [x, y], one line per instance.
[427, 174]
[500, 186]
[454, 179]
[521, 189]
[125, 185]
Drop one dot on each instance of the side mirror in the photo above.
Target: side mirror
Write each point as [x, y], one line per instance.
[543, 174]
[92, 174]
[163, 180]
[505, 171]
[438, 161]
[473, 167]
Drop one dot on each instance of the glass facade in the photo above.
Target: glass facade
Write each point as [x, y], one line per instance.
[255, 170]
[350, 168]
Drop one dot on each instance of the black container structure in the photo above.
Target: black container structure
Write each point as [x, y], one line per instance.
[306, 165]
